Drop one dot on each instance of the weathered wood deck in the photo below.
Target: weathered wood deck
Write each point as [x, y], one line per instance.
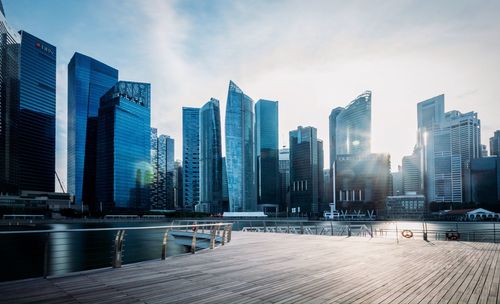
[280, 268]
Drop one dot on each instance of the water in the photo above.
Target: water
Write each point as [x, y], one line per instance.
[22, 255]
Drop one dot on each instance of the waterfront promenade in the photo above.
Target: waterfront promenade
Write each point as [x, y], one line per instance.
[284, 268]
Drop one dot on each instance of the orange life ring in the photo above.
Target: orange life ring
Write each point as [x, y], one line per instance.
[407, 234]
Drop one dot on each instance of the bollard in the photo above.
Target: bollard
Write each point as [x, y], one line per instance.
[164, 245]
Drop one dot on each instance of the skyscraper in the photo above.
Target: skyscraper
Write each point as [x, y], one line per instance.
[191, 157]
[27, 111]
[124, 171]
[495, 144]
[210, 158]
[450, 141]
[167, 145]
[266, 152]
[162, 194]
[332, 122]
[412, 173]
[284, 163]
[353, 127]
[240, 149]
[155, 176]
[304, 171]
[88, 80]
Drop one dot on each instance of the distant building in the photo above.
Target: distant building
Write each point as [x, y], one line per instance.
[284, 168]
[327, 182]
[179, 203]
[29, 201]
[162, 192]
[225, 190]
[484, 181]
[484, 151]
[27, 111]
[405, 207]
[450, 141]
[191, 157]
[412, 178]
[88, 80]
[353, 127]
[363, 182]
[495, 144]
[124, 171]
[305, 171]
[397, 182]
[266, 153]
[240, 150]
[210, 158]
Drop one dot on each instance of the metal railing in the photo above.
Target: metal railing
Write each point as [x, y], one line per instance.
[57, 241]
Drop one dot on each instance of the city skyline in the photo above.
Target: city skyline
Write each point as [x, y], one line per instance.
[323, 75]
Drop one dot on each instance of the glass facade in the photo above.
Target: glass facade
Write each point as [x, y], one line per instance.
[267, 154]
[28, 110]
[240, 149]
[88, 80]
[191, 157]
[210, 158]
[284, 167]
[304, 171]
[495, 144]
[123, 147]
[163, 172]
[353, 127]
[9, 107]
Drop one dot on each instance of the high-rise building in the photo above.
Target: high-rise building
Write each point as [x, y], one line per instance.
[412, 173]
[210, 158]
[485, 181]
[484, 151]
[123, 174]
[266, 152]
[304, 171]
[495, 144]
[225, 190]
[397, 182]
[240, 149]
[284, 167]
[190, 157]
[353, 127]
[162, 192]
[450, 141]
[88, 80]
[363, 182]
[332, 123]
[322, 205]
[27, 111]
[179, 203]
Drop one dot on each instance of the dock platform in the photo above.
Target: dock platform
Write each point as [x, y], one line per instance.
[286, 268]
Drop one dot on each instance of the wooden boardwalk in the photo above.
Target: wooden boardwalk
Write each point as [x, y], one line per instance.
[280, 268]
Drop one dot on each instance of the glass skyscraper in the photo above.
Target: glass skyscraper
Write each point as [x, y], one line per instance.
[123, 146]
[191, 157]
[88, 80]
[27, 111]
[353, 127]
[162, 192]
[210, 158]
[240, 149]
[305, 171]
[267, 154]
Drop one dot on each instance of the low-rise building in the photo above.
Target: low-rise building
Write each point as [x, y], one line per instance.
[408, 207]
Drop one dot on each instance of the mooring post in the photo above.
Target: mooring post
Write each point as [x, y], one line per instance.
[117, 254]
[164, 245]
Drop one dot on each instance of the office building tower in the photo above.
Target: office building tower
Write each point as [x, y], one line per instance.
[162, 190]
[190, 157]
[327, 194]
[397, 182]
[179, 193]
[284, 167]
[240, 150]
[332, 123]
[123, 174]
[210, 158]
[266, 153]
[322, 205]
[449, 141]
[484, 181]
[304, 171]
[27, 111]
[363, 182]
[495, 144]
[412, 177]
[225, 190]
[353, 127]
[484, 151]
[88, 80]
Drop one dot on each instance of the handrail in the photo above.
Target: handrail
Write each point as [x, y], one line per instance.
[113, 228]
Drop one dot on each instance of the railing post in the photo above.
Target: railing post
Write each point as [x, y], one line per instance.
[229, 233]
[46, 256]
[494, 234]
[117, 254]
[301, 228]
[164, 245]
[265, 227]
[223, 236]
[193, 241]
[349, 229]
[331, 227]
[212, 237]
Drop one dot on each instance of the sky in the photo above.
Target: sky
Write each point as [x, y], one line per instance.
[311, 56]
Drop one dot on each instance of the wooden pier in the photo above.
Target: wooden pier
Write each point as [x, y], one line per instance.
[285, 268]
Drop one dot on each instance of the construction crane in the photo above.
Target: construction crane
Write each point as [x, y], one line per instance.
[60, 183]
